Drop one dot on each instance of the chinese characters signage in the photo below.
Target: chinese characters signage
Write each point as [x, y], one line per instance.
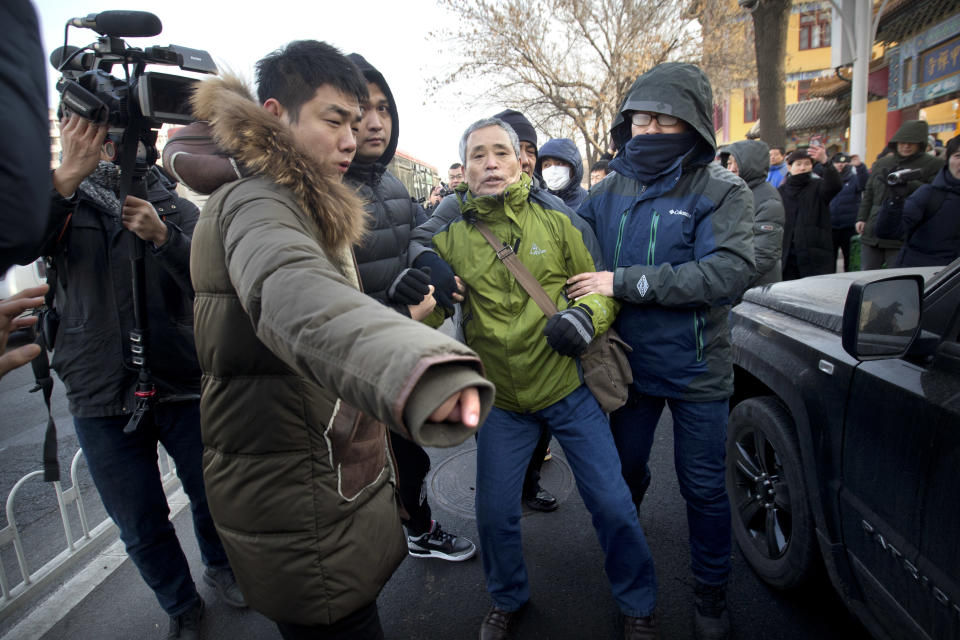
[941, 62]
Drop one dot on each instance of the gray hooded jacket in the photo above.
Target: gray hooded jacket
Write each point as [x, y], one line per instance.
[753, 159]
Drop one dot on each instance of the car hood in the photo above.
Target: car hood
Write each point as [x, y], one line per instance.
[819, 300]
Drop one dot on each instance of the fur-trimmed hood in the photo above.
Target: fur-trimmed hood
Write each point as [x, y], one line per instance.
[264, 146]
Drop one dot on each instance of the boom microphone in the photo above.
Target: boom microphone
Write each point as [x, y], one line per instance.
[120, 24]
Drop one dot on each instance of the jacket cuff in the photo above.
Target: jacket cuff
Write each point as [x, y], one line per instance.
[439, 382]
[619, 284]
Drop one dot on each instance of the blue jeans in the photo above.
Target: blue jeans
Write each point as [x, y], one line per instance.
[504, 445]
[699, 451]
[127, 476]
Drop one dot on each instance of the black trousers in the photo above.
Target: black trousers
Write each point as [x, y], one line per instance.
[841, 240]
[531, 481]
[413, 463]
[363, 624]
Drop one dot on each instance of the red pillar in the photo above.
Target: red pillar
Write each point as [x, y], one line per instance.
[894, 120]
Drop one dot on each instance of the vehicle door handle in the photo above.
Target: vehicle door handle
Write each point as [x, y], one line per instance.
[826, 367]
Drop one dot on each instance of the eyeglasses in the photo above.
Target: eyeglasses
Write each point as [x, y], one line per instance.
[641, 119]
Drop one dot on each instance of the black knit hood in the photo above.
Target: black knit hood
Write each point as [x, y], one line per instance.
[372, 75]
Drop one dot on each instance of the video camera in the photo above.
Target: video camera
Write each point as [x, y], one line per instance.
[903, 176]
[142, 101]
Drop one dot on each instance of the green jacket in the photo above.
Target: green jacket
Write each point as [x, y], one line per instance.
[299, 481]
[500, 320]
[875, 192]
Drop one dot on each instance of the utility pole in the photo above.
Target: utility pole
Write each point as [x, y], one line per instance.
[859, 27]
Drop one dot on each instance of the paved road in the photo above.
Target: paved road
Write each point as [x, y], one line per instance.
[431, 599]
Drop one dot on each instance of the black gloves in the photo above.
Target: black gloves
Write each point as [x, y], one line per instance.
[410, 287]
[441, 276]
[570, 331]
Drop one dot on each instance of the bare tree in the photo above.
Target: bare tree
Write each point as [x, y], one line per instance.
[727, 57]
[567, 64]
[770, 21]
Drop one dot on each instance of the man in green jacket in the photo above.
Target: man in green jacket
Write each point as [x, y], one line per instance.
[906, 150]
[532, 360]
[303, 372]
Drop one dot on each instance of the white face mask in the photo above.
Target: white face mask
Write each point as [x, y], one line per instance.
[556, 177]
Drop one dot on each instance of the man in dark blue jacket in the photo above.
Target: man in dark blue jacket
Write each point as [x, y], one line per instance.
[844, 206]
[677, 231]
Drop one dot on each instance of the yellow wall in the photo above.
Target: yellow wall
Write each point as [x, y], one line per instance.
[738, 128]
[942, 113]
[876, 129]
[808, 59]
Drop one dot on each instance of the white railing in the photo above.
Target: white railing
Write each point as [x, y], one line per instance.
[12, 597]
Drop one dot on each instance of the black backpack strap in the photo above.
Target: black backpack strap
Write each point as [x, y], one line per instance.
[44, 380]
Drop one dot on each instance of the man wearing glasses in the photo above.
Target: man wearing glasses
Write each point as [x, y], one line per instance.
[677, 231]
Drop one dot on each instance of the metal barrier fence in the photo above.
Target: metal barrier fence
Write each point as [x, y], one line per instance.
[77, 548]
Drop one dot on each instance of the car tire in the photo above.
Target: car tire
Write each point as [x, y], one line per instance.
[770, 511]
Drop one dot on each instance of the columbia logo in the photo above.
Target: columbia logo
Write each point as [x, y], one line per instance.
[642, 285]
[679, 212]
[537, 251]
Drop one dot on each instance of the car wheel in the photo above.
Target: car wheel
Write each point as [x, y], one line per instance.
[771, 517]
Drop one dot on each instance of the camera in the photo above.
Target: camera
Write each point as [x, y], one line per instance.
[903, 176]
[142, 101]
[445, 190]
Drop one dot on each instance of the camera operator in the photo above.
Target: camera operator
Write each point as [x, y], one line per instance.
[90, 252]
[906, 150]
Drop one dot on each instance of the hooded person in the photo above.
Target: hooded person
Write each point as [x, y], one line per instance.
[749, 161]
[928, 221]
[906, 150]
[386, 275]
[676, 231]
[810, 185]
[561, 168]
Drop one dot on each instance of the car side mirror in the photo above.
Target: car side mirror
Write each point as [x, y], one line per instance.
[881, 318]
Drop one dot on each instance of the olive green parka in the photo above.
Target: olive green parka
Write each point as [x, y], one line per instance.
[302, 375]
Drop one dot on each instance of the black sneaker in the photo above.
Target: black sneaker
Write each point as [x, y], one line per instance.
[437, 543]
[226, 585]
[186, 626]
[710, 618]
[641, 628]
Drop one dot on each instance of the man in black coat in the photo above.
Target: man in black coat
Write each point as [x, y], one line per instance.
[89, 237]
[386, 274]
[807, 234]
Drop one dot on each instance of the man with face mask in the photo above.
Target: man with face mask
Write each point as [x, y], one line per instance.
[676, 230]
[561, 168]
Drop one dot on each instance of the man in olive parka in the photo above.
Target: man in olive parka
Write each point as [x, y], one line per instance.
[676, 232]
[302, 371]
[907, 151]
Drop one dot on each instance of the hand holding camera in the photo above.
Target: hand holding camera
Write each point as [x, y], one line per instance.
[81, 140]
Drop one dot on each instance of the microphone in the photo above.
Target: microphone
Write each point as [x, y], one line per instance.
[82, 62]
[129, 24]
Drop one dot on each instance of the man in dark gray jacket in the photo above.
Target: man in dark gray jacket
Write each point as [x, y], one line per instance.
[386, 275]
[749, 159]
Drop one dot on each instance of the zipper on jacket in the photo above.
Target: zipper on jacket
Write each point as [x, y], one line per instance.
[698, 334]
[653, 237]
[623, 221]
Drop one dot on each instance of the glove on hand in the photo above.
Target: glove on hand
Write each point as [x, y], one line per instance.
[441, 276]
[570, 331]
[409, 288]
[898, 191]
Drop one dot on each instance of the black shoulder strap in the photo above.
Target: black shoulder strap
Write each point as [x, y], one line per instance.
[42, 377]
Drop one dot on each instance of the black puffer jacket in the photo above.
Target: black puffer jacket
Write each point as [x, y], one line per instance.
[844, 206]
[807, 234]
[928, 222]
[383, 253]
[95, 301]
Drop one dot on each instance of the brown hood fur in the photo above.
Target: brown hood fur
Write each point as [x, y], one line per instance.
[264, 146]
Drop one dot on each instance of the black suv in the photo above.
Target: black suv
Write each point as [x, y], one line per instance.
[844, 442]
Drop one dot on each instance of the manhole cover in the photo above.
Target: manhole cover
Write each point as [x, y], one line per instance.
[452, 483]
